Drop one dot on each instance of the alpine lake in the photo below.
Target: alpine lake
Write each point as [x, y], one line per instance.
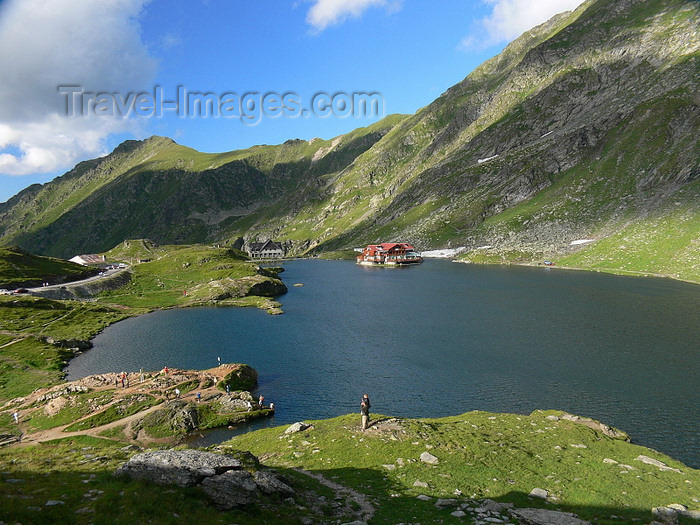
[442, 339]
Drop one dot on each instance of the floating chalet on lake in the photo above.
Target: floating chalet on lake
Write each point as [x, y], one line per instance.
[389, 253]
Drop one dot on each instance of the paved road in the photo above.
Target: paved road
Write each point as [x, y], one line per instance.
[108, 273]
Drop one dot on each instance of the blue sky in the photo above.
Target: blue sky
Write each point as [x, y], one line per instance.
[406, 52]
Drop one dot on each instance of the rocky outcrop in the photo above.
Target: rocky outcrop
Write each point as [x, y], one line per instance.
[593, 424]
[180, 417]
[221, 476]
[241, 377]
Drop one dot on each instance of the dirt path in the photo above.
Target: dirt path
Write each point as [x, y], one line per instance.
[343, 493]
[160, 382]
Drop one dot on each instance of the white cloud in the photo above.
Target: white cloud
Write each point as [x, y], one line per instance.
[55, 142]
[324, 13]
[96, 45]
[511, 18]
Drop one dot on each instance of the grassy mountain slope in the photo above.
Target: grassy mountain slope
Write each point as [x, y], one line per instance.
[584, 127]
[19, 268]
[170, 193]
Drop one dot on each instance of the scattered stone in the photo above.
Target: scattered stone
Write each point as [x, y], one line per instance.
[546, 517]
[538, 493]
[610, 461]
[423, 497]
[572, 445]
[54, 502]
[420, 484]
[389, 466]
[427, 457]
[655, 462]
[458, 513]
[299, 426]
[84, 510]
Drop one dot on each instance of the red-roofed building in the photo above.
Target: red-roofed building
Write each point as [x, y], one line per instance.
[391, 253]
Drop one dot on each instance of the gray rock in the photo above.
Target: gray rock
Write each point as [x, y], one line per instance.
[546, 517]
[427, 457]
[423, 497]
[693, 514]
[233, 488]
[419, 483]
[446, 502]
[539, 493]
[666, 514]
[458, 514]
[54, 502]
[184, 468]
[655, 462]
[489, 505]
[270, 483]
[299, 426]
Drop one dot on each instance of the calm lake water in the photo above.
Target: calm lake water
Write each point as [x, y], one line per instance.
[443, 339]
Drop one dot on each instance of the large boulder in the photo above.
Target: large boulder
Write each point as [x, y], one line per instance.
[222, 477]
[184, 468]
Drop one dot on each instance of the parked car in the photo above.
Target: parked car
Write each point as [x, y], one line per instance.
[21, 290]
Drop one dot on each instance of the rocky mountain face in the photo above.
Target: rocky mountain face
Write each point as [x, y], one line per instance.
[585, 127]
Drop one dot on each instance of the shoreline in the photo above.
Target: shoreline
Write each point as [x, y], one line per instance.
[617, 272]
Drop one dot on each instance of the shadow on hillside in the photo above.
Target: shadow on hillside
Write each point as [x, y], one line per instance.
[392, 505]
[96, 496]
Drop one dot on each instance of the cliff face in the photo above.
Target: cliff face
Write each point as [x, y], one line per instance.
[584, 127]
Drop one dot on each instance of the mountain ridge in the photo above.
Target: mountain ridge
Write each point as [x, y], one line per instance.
[583, 127]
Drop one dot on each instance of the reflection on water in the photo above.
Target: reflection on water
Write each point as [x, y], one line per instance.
[442, 339]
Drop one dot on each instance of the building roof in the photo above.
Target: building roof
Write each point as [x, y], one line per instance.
[386, 246]
[267, 245]
[88, 258]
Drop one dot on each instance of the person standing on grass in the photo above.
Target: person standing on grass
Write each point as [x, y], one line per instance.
[364, 410]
